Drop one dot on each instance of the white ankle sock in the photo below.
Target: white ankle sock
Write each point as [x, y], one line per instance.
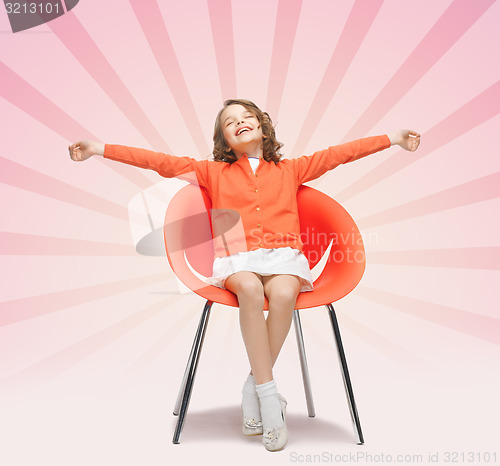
[270, 406]
[250, 403]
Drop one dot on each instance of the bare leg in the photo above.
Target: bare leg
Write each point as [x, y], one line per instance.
[248, 287]
[263, 341]
[282, 292]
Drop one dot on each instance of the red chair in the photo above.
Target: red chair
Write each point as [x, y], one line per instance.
[188, 242]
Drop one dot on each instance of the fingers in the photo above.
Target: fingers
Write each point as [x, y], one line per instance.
[415, 143]
[413, 140]
[74, 151]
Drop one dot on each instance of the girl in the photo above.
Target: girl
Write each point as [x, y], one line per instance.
[249, 176]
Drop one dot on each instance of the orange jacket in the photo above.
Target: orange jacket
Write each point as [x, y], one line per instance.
[265, 200]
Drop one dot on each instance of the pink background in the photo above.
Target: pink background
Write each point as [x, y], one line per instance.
[94, 337]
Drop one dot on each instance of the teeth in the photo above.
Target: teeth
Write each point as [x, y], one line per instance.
[243, 130]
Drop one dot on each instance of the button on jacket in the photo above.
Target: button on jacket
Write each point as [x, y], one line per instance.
[266, 200]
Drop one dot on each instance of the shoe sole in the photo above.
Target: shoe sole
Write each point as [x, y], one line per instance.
[251, 434]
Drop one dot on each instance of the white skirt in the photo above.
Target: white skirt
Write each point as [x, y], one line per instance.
[263, 262]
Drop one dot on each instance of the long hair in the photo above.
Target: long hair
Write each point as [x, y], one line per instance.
[270, 146]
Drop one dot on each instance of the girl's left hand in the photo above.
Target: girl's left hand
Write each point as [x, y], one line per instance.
[407, 139]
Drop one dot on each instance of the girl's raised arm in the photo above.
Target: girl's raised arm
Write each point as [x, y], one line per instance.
[169, 166]
[313, 166]
[83, 150]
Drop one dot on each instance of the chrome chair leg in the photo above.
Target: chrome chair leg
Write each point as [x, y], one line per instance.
[303, 364]
[178, 402]
[345, 374]
[190, 373]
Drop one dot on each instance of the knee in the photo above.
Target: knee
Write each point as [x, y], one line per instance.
[251, 291]
[283, 298]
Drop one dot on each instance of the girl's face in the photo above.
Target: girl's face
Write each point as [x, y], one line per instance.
[241, 129]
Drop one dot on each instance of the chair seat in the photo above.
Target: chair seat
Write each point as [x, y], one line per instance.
[328, 222]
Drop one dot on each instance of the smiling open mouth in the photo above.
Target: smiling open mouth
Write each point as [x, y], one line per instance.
[242, 130]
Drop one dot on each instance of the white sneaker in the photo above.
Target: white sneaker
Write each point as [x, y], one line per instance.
[276, 439]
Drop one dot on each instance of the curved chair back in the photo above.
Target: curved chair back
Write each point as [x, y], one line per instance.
[189, 245]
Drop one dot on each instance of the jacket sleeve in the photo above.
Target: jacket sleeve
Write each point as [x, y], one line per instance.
[169, 166]
[310, 167]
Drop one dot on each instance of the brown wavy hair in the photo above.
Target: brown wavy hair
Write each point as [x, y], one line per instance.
[270, 146]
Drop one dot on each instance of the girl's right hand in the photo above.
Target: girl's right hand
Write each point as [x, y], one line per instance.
[82, 150]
